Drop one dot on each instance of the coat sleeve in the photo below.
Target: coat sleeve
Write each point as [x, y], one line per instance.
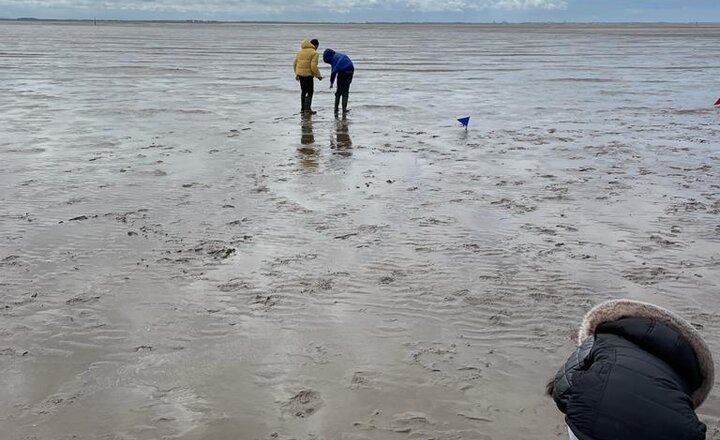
[295, 65]
[576, 364]
[314, 66]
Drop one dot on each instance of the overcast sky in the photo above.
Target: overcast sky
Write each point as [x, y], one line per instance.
[371, 10]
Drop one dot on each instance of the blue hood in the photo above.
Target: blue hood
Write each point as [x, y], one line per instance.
[339, 61]
[328, 55]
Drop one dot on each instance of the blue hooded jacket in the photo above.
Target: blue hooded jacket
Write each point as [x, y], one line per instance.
[339, 62]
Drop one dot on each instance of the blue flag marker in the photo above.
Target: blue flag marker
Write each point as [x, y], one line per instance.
[464, 121]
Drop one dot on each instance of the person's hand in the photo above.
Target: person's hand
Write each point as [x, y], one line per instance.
[331, 85]
[320, 78]
[297, 77]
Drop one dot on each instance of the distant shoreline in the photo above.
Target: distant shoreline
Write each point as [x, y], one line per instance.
[448, 23]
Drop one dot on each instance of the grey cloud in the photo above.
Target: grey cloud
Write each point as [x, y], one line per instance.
[462, 5]
[282, 7]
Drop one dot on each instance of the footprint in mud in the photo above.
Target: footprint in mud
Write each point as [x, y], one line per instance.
[541, 230]
[500, 318]
[410, 421]
[557, 192]
[647, 275]
[56, 402]
[82, 299]
[12, 352]
[316, 353]
[450, 367]
[12, 260]
[234, 285]
[428, 356]
[362, 379]
[568, 228]
[392, 277]
[435, 221]
[387, 280]
[299, 258]
[664, 242]
[215, 248]
[264, 302]
[516, 207]
[238, 222]
[691, 205]
[325, 284]
[303, 404]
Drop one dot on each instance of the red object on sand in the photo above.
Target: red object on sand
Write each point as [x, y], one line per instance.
[717, 103]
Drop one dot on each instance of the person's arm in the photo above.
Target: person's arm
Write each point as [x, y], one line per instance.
[561, 386]
[314, 67]
[297, 77]
[332, 78]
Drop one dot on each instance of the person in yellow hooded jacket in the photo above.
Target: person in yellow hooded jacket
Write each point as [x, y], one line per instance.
[306, 69]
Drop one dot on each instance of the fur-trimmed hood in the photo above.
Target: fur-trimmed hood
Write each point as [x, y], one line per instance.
[623, 308]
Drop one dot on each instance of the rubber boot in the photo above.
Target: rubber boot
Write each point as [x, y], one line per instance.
[302, 103]
[344, 103]
[337, 103]
[308, 105]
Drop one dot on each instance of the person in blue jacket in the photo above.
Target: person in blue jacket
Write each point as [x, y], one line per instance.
[343, 68]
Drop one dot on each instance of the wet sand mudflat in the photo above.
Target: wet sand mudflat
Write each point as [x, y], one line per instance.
[184, 256]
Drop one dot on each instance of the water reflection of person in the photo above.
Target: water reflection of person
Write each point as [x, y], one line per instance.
[307, 151]
[342, 143]
[307, 137]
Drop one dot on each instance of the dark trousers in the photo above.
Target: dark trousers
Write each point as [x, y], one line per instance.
[307, 88]
[344, 79]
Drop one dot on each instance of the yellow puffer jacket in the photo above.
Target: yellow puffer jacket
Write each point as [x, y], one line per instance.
[306, 61]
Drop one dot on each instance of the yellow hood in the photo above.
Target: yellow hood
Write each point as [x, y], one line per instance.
[306, 61]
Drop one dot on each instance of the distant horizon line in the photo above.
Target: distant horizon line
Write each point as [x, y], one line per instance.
[503, 22]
